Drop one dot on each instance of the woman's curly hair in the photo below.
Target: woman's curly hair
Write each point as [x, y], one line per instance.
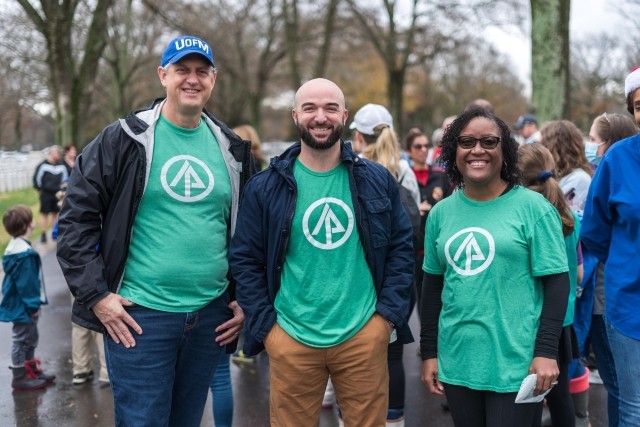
[509, 172]
[566, 143]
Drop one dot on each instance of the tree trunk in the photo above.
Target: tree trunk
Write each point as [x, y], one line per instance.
[550, 58]
[70, 85]
[395, 91]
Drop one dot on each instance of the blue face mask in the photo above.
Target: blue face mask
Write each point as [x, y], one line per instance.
[591, 151]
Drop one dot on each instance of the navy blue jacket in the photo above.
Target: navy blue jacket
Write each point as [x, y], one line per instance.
[259, 246]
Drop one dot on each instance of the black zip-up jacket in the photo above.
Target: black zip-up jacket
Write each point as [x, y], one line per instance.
[105, 190]
[49, 177]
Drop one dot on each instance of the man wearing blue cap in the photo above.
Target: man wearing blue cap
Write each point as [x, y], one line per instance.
[527, 128]
[143, 243]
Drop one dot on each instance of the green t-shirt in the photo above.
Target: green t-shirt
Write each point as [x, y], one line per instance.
[491, 254]
[178, 251]
[327, 293]
[571, 243]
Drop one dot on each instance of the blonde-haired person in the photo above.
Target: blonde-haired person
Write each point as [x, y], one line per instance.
[249, 133]
[566, 143]
[373, 126]
[374, 132]
[537, 168]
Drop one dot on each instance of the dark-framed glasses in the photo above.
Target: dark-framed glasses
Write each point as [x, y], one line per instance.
[486, 142]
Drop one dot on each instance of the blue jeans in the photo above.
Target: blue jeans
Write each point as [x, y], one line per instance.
[222, 393]
[606, 366]
[625, 352]
[164, 380]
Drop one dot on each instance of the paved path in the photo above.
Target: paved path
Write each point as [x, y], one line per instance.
[90, 405]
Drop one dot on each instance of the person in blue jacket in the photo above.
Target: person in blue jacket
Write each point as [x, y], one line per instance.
[22, 295]
[323, 261]
[611, 231]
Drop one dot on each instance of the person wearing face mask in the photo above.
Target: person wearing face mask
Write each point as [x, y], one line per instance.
[606, 130]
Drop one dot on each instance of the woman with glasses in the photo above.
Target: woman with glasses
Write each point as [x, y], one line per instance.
[496, 284]
[432, 183]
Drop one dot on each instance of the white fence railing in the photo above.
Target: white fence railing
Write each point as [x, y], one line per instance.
[16, 170]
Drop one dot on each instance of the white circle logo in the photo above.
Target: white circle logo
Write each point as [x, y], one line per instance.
[186, 180]
[331, 218]
[468, 251]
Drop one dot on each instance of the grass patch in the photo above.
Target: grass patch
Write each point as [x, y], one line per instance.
[27, 197]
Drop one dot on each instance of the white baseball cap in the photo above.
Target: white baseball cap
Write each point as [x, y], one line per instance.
[369, 117]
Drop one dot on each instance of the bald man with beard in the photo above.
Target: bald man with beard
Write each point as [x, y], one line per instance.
[323, 261]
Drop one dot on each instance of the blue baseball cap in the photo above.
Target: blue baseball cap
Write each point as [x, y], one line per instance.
[182, 46]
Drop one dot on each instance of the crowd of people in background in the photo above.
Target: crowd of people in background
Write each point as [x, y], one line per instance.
[516, 245]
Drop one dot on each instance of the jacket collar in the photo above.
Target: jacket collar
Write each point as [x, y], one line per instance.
[139, 120]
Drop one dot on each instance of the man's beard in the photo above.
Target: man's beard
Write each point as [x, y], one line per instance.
[311, 142]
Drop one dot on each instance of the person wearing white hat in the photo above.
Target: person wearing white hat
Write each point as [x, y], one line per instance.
[374, 133]
[631, 86]
[609, 231]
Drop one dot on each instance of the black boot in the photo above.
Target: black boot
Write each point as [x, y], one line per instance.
[23, 380]
[33, 365]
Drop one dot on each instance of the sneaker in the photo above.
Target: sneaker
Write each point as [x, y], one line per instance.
[103, 379]
[33, 365]
[240, 357]
[82, 377]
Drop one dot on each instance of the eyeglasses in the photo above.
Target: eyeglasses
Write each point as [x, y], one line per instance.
[486, 142]
[420, 146]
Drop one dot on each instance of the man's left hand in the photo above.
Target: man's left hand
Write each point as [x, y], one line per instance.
[231, 327]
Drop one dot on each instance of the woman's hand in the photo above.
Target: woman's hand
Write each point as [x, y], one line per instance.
[547, 371]
[430, 376]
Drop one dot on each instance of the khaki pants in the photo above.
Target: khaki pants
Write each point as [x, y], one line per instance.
[85, 343]
[358, 369]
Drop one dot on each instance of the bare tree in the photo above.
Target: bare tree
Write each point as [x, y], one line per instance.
[394, 42]
[301, 32]
[22, 82]
[73, 53]
[133, 35]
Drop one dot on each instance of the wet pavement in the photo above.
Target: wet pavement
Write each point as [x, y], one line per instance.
[91, 405]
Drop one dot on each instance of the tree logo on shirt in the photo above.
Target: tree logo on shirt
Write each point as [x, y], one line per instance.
[464, 251]
[327, 223]
[186, 178]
